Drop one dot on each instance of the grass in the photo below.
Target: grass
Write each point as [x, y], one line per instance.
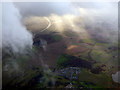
[101, 56]
[24, 80]
[101, 80]
[90, 41]
[102, 44]
[61, 82]
[70, 33]
[84, 55]
[31, 74]
[35, 49]
[61, 79]
[62, 59]
[57, 37]
[88, 85]
[85, 85]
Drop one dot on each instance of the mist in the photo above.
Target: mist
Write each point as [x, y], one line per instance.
[14, 34]
[99, 19]
[36, 8]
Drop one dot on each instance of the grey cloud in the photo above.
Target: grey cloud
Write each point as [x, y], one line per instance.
[42, 8]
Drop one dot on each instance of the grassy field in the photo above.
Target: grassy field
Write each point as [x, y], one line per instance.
[90, 41]
[101, 56]
[69, 34]
[101, 80]
[57, 37]
[62, 59]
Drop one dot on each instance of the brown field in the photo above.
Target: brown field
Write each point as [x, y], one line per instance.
[75, 49]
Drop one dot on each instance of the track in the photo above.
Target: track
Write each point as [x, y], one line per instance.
[49, 23]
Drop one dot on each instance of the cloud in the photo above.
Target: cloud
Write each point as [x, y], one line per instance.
[43, 8]
[14, 34]
[84, 18]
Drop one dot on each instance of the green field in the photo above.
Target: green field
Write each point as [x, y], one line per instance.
[101, 80]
